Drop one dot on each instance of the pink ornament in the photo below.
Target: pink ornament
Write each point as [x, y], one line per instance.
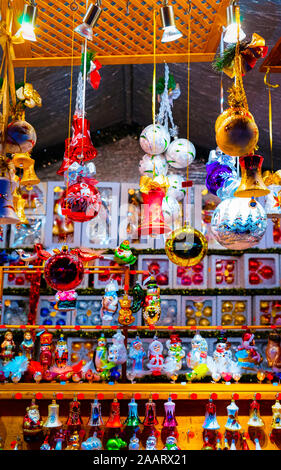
[186, 280]
[197, 279]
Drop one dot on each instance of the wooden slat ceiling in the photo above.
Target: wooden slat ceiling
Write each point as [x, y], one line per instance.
[121, 38]
[273, 60]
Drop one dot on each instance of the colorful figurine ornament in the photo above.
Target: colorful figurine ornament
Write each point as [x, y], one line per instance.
[232, 423]
[32, 423]
[123, 254]
[247, 354]
[137, 355]
[173, 362]
[109, 302]
[156, 358]
[151, 310]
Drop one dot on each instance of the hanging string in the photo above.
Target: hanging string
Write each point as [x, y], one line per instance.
[269, 86]
[188, 91]
[24, 75]
[154, 84]
[221, 84]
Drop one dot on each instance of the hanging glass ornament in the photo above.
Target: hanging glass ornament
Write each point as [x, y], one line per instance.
[210, 422]
[153, 192]
[133, 419]
[252, 184]
[32, 423]
[95, 419]
[77, 171]
[220, 157]
[153, 164]
[232, 423]
[151, 309]
[63, 271]
[238, 223]
[74, 421]
[171, 209]
[21, 137]
[217, 175]
[255, 419]
[273, 202]
[114, 417]
[276, 415]
[155, 139]
[170, 422]
[180, 153]
[186, 246]
[229, 187]
[82, 202]
[53, 420]
[175, 188]
[92, 443]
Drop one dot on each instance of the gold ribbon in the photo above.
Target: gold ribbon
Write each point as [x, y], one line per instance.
[269, 85]
[148, 184]
[7, 41]
[29, 96]
[270, 178]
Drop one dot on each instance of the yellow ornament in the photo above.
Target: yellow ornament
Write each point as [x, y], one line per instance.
[198, 314]
[226, 319]
[204, 322]
[227, 306]
[240, 306]
[240, 320]
[264, 305]
[207, 311]
[76, 346]
[186, 246]
[264, 320]
[189, 311]
[90, 354]
[260, 375]
[88, 345]
[88, 313]
[74, 357]
[191, 322]
[199, 305]
[53, 314]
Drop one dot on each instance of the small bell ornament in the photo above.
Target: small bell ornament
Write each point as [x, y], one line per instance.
[32, 423]
[95, 419]
[210, 422]
[255, 418]
[276, 415]
[74, 421]
[53, 420]
[29, 177]
[252, 184]
[150, 421]
[170, 422]
[114, 417]
[232, 423]
[133, 419]
[7, 211]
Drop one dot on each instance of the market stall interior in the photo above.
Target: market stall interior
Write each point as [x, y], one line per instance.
[111, 283]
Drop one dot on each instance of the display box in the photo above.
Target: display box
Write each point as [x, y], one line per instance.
[192, 277]
[26, 236]
[261, 271]
[130, 217]
[267, 309]
[159, 267]
[14, 310]
[36, 199]
[273, 233]
[100, 280]
[205, 204]
[18, 279]
[59, 231]
[102, 231]
[234, 310]
[48, 315]
[198, 310]
[225, 272]
[80, 349]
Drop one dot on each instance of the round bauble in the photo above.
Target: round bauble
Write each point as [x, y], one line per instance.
[175, 189]
[226, 319]
[171, 209]
[21, 137]
[155, 139]
[76, 172]
[186, 246]
[238, 223]
[217, 175]
[153, 164]
[63, 271]
[180, 153]
[236, 132]
[204, 322]
[82, 202]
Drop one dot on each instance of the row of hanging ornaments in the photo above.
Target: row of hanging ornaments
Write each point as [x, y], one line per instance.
[115, 434]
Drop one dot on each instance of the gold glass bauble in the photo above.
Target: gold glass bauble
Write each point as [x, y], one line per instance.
[264, 320]
[186, 246]
[227, 306]
[198, 314]
[74, 357]
[199, 305]
[189, 311]
[88, 345]
[239, 320]
[204, 322]
[226, 319]
[207, 311]
[76, 346]
[191, 322]
[264, 305]
[240, 306]
[236, 132]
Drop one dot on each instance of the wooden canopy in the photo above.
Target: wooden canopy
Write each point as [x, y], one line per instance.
[120, 37]
[273, 60]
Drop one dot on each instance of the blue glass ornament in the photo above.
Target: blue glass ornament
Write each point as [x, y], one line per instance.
[48, 321]
[229, 188]
[44, 312]
[217, 174]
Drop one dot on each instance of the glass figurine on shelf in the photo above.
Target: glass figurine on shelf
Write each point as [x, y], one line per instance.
[151, 443]
[149, 423]
[27, 345]
[120, 349]
[123, 254]
[133, 421]
[59, 439]
[255, 419]
[199, 352]
[74, 421]
[210, 422]
[171, 444]
[109, 302]
[115, 443]
[156, 358]
[61, 352]
[275, 434]
[232, 423]
[114, 420]
[151, 310]
[92, 443]
[32, 423]
[170, 423]
[8, 347]
[46, 351]
[102, 364]
[73, 442]
[221, 364]
[125, 316]
[247, 354]
[134, 443]
[137, 354]
[95, 421]
[173, 362]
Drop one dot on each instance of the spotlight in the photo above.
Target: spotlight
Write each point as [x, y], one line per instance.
[89, 21]
[231, 31]
[28, 21]
[171, 33]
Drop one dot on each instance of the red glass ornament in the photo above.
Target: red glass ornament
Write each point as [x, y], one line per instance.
[162, 279]
[197, 279]
[253, 264]
[230, 266]
[180, 271]
[254, 278]
[219, 278]
[266, 272]
[74, 146]
[229, 279]
[218, 266]
[153, 222]
[154, 268]
[114, 417]
[198, 268]
[186, 280]
[81, 202]
[105, 276]
[11, 277]
[63, 271]
[19, 281]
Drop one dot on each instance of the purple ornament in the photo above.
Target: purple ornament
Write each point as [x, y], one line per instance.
[217, 174]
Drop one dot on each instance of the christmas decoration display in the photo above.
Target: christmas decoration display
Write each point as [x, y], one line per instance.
[156, 359]
[137, 355]
[151, 309]
[173, 362]
[32, 424]
[247, 355]
[193, 276]
[198, 311]
[109, 302]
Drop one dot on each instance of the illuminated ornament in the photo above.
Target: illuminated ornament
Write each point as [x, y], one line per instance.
[238, 223]
[180, 153]
[252, 184]
[21, 137]
[217, 175]
[210, 422]
[63, 271]
[53, 420]
[232, 423]
[82, 202]
[236, 132]
[90, 20]
[7, 211]
[153, 164]
[114, 417]
[175, 188]
[255, 419]
[28, 22]
[155, 139]
[153, 192]
[186, 246]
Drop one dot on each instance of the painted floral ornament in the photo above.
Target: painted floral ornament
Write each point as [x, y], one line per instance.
[186, 246]
[238, 223]
[76, 171]
[155, 139]
[180, 153]
[82, 202]
[21, 137]
[175, 189]
[63, 271]
[171, 209]
[153, 164]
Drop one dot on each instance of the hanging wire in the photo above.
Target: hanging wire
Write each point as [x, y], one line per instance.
[269, 86]
[188, 91]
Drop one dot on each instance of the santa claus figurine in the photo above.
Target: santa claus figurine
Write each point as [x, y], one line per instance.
[156, 358]
[61, 352]
[32, 424]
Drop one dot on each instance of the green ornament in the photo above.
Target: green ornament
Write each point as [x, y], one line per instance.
[115, 444]
[124, 255]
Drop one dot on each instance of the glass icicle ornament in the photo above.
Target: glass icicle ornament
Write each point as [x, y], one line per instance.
[238, 223]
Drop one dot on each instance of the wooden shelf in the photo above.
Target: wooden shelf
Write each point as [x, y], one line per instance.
[202, 391]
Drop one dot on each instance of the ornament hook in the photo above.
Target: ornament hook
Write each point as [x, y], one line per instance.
[266, 82]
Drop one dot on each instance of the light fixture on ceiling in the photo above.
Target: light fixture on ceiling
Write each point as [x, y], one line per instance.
[231, 30]
[171, 33]
[28, 21]
[89, 21]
